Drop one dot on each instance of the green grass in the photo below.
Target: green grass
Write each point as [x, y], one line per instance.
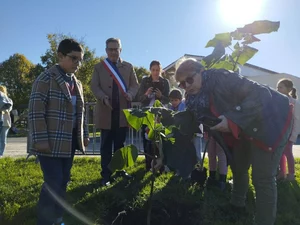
[175, 202]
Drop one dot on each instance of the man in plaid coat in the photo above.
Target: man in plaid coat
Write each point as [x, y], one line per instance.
[57, 127]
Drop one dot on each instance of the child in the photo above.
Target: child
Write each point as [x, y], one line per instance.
[57, 127]
[286, 87]
[215, 150]
[177, 104]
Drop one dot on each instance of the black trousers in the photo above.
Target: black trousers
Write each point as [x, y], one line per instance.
[116, 136]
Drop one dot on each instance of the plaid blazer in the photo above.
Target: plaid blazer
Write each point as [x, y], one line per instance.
[50, 116]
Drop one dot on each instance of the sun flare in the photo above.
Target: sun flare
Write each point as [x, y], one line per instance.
[238, 12]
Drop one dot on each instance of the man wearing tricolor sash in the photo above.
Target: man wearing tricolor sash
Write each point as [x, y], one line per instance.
[114, 84]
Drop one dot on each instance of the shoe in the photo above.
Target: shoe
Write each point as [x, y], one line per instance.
[105, 182]
[59, 221]
[199, 176]
[123, 174]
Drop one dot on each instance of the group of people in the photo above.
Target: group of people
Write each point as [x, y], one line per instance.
[256, 122]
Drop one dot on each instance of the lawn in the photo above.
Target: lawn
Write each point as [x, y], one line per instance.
[175, 201]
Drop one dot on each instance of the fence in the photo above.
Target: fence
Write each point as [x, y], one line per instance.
[133, 137]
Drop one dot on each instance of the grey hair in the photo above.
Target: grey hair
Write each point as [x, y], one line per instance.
[116, 40]
[187, 66]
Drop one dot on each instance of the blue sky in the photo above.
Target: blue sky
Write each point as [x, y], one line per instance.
[150, 29]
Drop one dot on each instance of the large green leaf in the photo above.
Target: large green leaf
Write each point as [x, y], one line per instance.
[157, 103]
[123, 158]
[244, 54]
[149, 120]
[224, 63]
[215, 56]
[134, 118]
[224, 38]
[160, 110]
[186, 122]
[260, 27]
[249, 39]
[236, 35]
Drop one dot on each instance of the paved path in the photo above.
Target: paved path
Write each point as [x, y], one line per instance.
[16, 147]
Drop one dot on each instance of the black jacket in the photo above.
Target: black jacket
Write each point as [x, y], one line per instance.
[260, 111]
[147, 83]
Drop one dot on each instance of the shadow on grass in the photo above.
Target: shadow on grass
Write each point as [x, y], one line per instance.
[176, 203]
[102, 204]
[288, 203]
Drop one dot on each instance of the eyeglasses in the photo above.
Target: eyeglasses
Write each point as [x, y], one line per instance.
[189, 80]
[113, 49]
[75, 59]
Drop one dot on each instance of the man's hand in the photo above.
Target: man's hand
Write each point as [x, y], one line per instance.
[86, 142]
[158, 93]
[106, 102]
[222, 126]
[128, 97]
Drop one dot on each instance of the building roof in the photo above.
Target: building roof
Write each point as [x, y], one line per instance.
[170, 69]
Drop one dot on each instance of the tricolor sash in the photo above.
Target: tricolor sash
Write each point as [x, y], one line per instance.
[114, 72]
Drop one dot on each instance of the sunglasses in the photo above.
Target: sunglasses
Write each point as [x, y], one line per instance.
[113, 49]
[189, 80]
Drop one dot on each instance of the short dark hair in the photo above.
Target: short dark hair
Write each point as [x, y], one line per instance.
[68, 45]
[175, 94]
[155, 63]
[116, 40]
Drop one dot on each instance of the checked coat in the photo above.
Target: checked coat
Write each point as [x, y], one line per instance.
[50, 117]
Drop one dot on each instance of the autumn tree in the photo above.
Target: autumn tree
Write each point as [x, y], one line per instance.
[16, 75]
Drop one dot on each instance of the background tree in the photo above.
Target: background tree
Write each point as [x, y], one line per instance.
[16, 75]
[84, 73]
[140, 72]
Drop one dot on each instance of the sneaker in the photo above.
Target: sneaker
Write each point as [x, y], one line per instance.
[105, 182]
[123, 174]
[59, 221]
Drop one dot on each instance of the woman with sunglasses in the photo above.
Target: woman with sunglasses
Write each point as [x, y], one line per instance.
[258, 119]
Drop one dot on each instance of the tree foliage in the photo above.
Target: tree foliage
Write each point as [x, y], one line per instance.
[16, 75]
[241, 52]
[141, 72]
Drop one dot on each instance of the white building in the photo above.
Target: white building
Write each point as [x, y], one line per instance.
[258, 74]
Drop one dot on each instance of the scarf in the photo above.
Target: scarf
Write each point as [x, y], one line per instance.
[199, 103]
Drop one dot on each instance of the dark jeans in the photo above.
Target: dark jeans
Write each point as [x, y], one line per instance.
[56, 172]
[116, 136]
